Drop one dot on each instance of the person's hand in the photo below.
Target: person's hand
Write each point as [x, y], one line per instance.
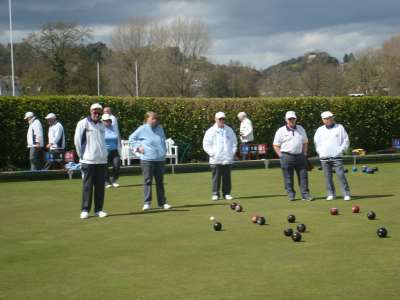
[140, 150]
[48, 146]
[37, 145]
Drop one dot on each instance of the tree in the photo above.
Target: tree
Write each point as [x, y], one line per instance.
[167, 56]
[217, 83]
[390, 59]
[365, 75]
[56, 44]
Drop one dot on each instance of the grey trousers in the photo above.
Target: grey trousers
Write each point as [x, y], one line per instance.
[221, 173]
[115, 162]
[34, 157]
[154, 169]
[93, 177]
[335, 164]
[289, 164]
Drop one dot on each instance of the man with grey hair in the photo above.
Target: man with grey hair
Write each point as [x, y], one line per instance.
[34, 140]
[331, 140]
[291, 145]
[246, 130]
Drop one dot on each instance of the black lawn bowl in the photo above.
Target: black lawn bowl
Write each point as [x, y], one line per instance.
[288, 232]
[301, 227]
[371, 215]
[296, 236]
[238, 208]
[291, 218]
[261, 221]
[217, 226]
[232, 205]
[382, 232]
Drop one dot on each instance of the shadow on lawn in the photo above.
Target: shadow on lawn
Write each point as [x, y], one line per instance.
[359, 197]
[204, 204]
[136, 185]
[260, 196]
[152, 211]
[353, 197]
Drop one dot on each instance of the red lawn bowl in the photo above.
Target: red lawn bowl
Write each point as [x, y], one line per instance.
[334, 211]
[254, 218]
[355, 209]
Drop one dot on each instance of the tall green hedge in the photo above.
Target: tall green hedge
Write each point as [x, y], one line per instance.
[370, 121]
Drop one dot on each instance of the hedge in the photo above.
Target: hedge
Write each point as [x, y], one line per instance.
[371, 122]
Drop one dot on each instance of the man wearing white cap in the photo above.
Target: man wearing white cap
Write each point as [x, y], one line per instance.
[246, 130]
[331, 140]
[56, 142]
[34, 139]
[91, 148]
[220, 144]
[291, 145]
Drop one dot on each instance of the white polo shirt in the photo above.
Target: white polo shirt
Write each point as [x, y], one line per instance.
[291, 140]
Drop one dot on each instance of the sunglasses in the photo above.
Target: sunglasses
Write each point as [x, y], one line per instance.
[221, 119]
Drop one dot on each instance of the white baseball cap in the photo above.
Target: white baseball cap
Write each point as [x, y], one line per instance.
[106, 117]
[326, 114]
[51, 116]
[290, 114]
[220, 115]
[96, 106]
[29, 114]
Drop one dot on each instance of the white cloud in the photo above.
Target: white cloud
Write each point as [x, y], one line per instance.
[263, 51]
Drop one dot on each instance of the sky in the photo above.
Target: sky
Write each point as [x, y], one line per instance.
[259, 33]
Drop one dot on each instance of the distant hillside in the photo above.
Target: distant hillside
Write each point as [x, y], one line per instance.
[299, 64]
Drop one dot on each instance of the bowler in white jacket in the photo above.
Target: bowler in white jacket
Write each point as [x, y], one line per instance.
[246, 130]
[331, 140]
[220, 144]
[34, 139]
[90, 145]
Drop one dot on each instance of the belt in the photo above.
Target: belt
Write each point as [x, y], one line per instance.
[331, 158]
[292, 154]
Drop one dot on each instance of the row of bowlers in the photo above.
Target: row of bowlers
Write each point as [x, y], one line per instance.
[291, 145]
[56, 143]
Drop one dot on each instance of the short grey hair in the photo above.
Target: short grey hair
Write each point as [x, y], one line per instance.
[242, 114]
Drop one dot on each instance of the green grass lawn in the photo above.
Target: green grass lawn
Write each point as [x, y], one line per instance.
[47, 252]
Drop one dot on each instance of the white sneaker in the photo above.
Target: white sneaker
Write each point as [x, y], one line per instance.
[228, 197]
[146, 206]
[330, 197]
[214, 198]
[84, 215]
[108, 186]
[167, 206]
[101, 214]
[347, 198]
[115, 184]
